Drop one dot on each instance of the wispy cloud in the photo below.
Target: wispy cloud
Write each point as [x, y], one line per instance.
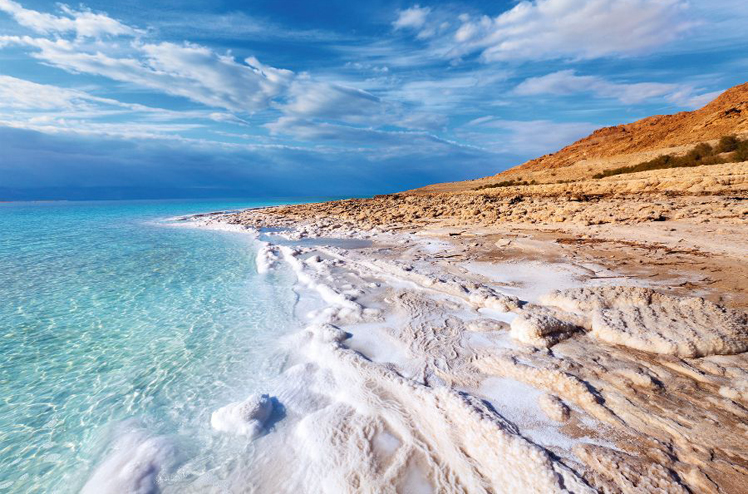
[567, 82]
[534, 137]
[308, 98]
[83, 23]
[554, 29]
[53, 109]
[188, 70]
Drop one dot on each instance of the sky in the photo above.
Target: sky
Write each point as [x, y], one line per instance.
[267, 98]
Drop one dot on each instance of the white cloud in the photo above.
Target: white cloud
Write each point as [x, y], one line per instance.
[686, 98]
[83, 23]
[53, 109]
[25, 95]
[386, 142]
[20, 94]
[128, 130]
[314, 99]
[450, 91]
[412, 18]
[529, 137]
[556, 29]
[187, 70]
[227, 117]
[567, 82]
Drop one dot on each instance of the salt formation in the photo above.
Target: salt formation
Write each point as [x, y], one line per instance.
[628, 473]
[453, 443]
[554, 408]
[246, 418]
[646, 320]
[412, 418]
[540, 328]
[738, 391]
[267, 256]
[133, 466]
[372, 430]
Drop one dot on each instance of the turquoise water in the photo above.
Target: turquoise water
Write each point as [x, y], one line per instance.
[111, 321]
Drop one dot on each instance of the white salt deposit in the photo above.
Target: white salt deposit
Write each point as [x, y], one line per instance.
[540, 329]
[370, 394]
[133, 465]
[528, 280]
[267, 256]
[246, 418]
[372, 430]
[650, 321]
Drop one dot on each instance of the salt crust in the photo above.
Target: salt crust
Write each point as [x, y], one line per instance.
[245, 418]
[133, 465]
[646, 320]
[475, 449]
[554, 408]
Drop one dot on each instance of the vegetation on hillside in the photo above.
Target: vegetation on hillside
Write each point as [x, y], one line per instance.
[506, 183]
[730, 149]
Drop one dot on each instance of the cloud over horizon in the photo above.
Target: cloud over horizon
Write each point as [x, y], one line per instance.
[407, 94]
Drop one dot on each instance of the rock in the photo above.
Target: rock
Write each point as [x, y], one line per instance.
[540, 329]
[646, 320]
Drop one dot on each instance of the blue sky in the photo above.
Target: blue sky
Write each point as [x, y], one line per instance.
[287, 98]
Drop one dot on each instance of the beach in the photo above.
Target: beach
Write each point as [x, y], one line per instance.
[604, 352]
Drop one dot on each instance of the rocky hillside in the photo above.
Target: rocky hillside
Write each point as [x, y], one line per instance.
[728, 114]
[611, 147]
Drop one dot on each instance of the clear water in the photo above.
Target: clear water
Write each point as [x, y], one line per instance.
[112, 321]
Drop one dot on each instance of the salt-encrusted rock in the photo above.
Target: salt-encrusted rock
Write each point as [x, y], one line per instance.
[688, 327]
[554, 408]
[490, 299]
[486, 325]
[644, 319]
[267, 256]
[246, 418]
[628, 473]
[736, 391]
[328, 333]
[540, 329]
[585, 300]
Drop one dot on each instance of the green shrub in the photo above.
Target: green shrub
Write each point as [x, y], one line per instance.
[506, 183]
[700, 151]
[741, 152]
[727, 144]
[701, 154]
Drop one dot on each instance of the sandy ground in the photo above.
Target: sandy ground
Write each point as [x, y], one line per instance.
[520, 356]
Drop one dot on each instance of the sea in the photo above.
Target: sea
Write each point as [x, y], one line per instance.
[121, 331]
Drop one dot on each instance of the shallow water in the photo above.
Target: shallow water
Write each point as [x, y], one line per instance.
[117, 329]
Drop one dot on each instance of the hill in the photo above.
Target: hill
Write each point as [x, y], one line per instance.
[626, 144]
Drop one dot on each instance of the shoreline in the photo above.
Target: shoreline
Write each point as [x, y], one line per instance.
[464, 316]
